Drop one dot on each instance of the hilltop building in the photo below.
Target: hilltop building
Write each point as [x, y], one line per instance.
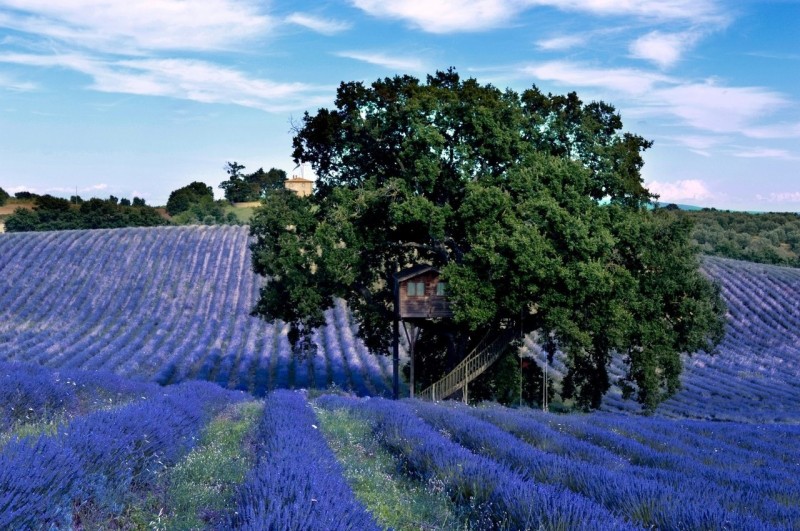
[299, 185]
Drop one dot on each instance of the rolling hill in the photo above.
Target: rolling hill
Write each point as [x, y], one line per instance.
[167, 304]
[89, 440]
[172, 304]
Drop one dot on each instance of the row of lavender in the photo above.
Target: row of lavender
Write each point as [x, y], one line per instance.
[168, 304]
[525, 469]
[97, 444]
[755, 373]
[92, 439]
[520, 469]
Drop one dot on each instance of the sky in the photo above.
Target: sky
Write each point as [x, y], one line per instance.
[140, 97]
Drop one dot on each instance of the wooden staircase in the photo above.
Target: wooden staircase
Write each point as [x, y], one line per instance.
[472, 366]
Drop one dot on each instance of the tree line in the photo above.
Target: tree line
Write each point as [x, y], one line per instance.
[769, 238]
[189, 205]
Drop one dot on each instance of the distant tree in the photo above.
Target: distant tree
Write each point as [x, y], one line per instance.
[204, 211]
[22, 220]
[138, 202]
[181, 199]
[531, 205]
[124, 202]
[235, 186]
[266, 182]
[26, 195]
[241, 187]
[75, 199]
[772, 238]
[4, 197]
[53, 213]
[48, 202]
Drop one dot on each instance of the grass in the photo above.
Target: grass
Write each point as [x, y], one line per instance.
[47, 426]
[375, 475]
[243, 214]
[196, 492]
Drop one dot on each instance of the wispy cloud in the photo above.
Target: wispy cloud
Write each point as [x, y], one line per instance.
[111, 26]
[685, 190]
[181, 78]
[780, 197]
[451, 16]
[15, 85]
[700, 144]
[444, 16]
[663, 49]
[320, 25]
[560, 43]
[782, 130]
[765, 153]
[385, 61]
[695, 11]
[710, 107]
[625, 80]
[718, 108]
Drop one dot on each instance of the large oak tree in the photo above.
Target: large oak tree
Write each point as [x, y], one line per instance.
[533, 207]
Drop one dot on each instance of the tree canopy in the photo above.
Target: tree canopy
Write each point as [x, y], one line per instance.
[181, 199]
[241, 187]
[55, 213]
[4, 197]
[532, 206]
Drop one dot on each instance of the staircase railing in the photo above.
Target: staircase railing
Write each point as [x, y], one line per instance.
[472, 366]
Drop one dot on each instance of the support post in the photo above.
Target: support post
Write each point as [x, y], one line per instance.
[396, 359]
[411, 348]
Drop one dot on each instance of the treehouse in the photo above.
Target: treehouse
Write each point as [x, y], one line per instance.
[420, 294]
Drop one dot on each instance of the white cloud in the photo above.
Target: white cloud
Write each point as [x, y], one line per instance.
[700, 144]
[450, 16]
[706, 106]
[775, 131]
[626, 80]
[764, 153]
[444, 16]
[564, 42]
[684, 190]
[114, 26]
[182, 78]
[694, 11]
[386, 61]
[718, 108]
[320, 25]
[663, 49]
[780, 197]
[15, 85]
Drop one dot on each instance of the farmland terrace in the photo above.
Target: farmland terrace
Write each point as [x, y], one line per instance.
[88, 439]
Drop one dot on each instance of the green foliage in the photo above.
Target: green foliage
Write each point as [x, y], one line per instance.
[26, 195]
[378, 481]
[770, 238]
[183, 198]
[4, 197]
[502, 192]
[503, 384]
[53, 213]
[242, 188]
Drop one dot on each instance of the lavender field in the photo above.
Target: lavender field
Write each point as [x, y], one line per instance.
[104, 424]
[167, 305]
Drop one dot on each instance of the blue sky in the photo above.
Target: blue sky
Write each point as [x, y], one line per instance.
[140, 97]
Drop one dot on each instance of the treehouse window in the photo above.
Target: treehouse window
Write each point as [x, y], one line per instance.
[416, 289]
[441, 289]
